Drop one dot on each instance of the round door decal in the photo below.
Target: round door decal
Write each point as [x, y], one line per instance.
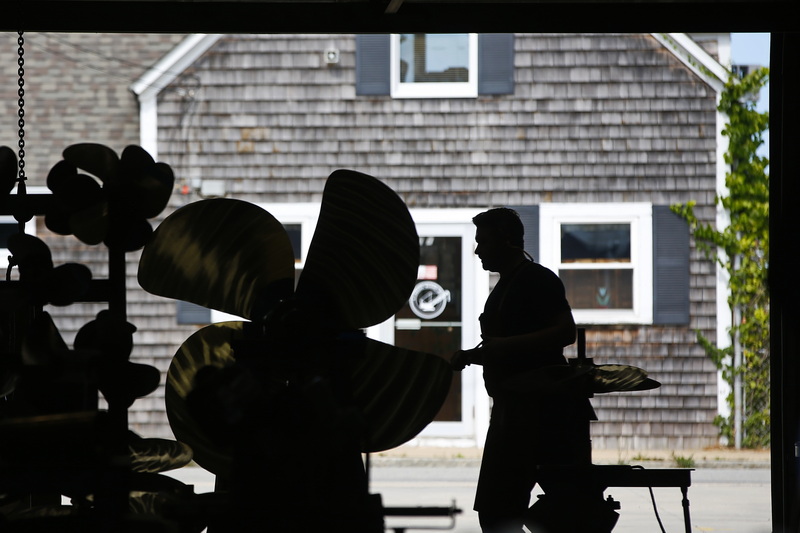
[428, 299]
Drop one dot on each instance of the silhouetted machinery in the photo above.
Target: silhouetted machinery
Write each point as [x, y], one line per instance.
[573, 498]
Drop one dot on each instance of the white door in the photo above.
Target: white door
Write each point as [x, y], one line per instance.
[441, 317]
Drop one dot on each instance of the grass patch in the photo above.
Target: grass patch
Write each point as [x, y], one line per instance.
[682, 461]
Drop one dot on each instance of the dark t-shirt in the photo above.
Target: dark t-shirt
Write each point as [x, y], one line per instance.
[526, 300]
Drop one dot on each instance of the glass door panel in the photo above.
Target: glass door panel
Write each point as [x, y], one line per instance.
[431, 320]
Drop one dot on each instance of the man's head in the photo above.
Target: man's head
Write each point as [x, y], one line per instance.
[499, 236]
[504, 222]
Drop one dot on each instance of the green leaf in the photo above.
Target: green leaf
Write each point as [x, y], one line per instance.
[745, 243]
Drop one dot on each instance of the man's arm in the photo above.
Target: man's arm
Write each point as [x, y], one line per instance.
[560, 333]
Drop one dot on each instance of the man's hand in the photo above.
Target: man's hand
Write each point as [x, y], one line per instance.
[459, 360]
[462, 358]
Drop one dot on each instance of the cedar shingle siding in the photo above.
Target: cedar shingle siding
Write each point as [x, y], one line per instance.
[592, 118]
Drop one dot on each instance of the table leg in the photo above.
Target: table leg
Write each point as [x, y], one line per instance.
[685, 502]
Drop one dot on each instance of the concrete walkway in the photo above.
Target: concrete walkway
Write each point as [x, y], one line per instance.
[704, 458]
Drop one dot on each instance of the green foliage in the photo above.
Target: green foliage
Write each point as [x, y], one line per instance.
[682, 461]
[742, 249]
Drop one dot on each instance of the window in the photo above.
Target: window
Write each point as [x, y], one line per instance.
[187, 313]
[427, 65]
[435, 65]
[295, 233]
[596, 265]
[604, 255]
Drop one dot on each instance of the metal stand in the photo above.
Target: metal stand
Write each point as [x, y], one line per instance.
[448, 512]
[590, 480]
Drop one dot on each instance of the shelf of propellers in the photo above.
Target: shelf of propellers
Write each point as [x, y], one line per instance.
[281, 405]
[54, 441]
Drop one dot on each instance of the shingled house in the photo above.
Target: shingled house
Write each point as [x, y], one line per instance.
[590, 137]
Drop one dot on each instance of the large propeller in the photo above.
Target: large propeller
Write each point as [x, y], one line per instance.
[303, 344]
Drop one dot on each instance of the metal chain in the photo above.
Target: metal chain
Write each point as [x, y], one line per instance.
[21, 102]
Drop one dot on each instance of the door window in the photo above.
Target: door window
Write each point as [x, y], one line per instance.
[431, 319]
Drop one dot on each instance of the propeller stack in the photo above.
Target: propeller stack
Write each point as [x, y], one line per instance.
[56, 441]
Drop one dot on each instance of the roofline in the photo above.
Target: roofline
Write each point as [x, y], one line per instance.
[159, 76]
[174, 63]
[693, 56]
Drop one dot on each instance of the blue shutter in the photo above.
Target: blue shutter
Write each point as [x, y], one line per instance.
[496, 63]
[670, 267]
[372, 65]
[529, 214]
[189, 313]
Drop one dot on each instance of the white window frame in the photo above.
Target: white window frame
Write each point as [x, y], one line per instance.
[304, 214]
[640, 217]
[468, 89]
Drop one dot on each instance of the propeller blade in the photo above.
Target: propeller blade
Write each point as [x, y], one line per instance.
[617, 378]
[149, 183]
[647, 384]
[31, 254]
[8, 170]
[43, 344]
[363, 259]
[97, 159]
[220, 253]
[122, 383]
[108, 335]
[67, 283]
[398, 391]
[154, 455]
[8, 380]
[209, 346]
[581, 379]
[74, 190]
[90, 224]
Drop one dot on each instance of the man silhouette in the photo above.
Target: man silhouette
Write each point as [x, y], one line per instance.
[525, 325]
